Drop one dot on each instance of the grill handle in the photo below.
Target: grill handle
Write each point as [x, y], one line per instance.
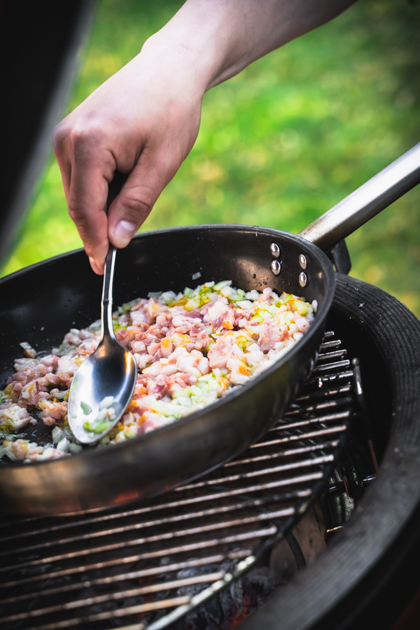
[365, 202]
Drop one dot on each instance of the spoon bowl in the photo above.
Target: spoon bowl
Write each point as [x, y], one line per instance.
[101, 390]
[104, 384]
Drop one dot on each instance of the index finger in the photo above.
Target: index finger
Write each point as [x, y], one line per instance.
[87, 206]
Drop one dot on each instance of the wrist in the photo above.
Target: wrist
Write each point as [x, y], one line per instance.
[199, 43]
[177, 63]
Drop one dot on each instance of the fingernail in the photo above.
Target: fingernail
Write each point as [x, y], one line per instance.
[94, 266]
[123, 233]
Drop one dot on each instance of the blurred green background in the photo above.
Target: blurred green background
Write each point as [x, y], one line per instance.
[279, 144]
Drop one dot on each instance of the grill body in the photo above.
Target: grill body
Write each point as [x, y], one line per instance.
[368, 575]
[162, 558]
[155, 561]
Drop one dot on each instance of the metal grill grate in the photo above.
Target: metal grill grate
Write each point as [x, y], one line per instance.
[151, 563]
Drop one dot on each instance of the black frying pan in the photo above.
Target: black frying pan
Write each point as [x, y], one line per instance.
[41, 303]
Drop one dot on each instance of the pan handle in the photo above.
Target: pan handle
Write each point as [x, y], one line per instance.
[365, 202]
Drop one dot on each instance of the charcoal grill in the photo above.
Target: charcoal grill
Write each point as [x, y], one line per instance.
[150, 564]
[232, 515]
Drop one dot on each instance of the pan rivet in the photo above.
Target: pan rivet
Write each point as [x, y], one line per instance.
[303, 279]
[276, 267]
[302, 261]
[275, 250]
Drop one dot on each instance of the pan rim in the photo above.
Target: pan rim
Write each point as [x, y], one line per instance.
[236, 391]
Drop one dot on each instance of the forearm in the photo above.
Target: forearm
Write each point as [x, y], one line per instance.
[219, 38]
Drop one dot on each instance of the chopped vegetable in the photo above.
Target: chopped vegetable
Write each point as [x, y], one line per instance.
[86, 408]
[97, 426]
[190, 347]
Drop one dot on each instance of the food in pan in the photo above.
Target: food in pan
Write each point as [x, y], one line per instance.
[190, 348]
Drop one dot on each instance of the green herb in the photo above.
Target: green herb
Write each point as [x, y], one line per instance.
[97, 427]
[86, 408]
[222, 284]
[6, 435]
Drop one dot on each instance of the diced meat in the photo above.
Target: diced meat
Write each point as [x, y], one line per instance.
[28, 351]
[86, 348]
[221, 316]
[15, 391]
[254, 358]
[50, 361]
[123, 337]
[152, 421]
[168, 369]
[178, 352]
[72, 339]
[302, 324]
[224, 348]
[166, 348]
[85, 334]
[153, 370]
[14, 417]
[159, 386]
[265, 296]
[153, 348]
[138, 317]
[163, 319]
[137, 346]
[30, 373]
[189, 364]
[53, 412]
[152, 309]
[67, 365]
[21, 364]
[240, 373]
[142, 360]
[20, 449]
[270, 334]
[29, 394]
[59, 380]
[203, 366]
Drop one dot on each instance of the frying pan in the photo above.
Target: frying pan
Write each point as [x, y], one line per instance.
[41, 303]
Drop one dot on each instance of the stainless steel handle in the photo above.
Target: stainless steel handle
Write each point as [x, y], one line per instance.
[107, 287]
[106, 302]
[365, 202]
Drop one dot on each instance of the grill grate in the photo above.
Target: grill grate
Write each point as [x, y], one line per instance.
[149, 564]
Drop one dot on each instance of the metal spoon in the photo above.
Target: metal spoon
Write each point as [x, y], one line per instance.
[103, 385]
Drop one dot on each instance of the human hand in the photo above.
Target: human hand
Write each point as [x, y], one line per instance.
[143, 122]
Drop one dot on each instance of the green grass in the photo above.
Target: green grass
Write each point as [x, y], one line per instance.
[281, 143]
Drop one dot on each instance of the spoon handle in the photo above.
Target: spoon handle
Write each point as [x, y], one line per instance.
[106, 303]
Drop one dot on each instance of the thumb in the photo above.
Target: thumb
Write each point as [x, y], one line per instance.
[138, 196]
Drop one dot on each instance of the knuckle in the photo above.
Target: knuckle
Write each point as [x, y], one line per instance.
[59, 137]
[137, 204]
[78, 215]
[82, 136]
[74, 213]
[79, 139]
[85, 137]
